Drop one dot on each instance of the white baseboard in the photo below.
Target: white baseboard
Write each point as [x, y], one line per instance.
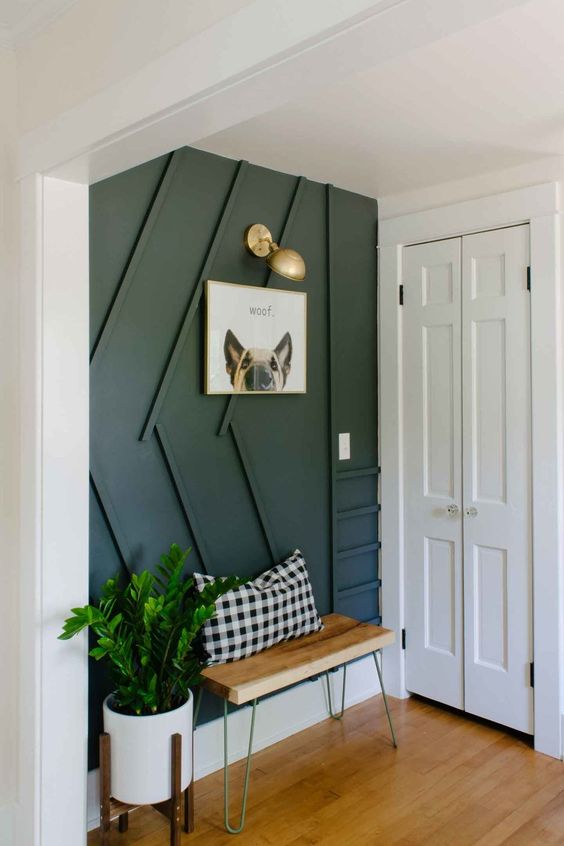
[278, 717]
[7, 816]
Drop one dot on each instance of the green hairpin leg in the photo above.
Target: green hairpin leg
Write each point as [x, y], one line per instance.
[228, 827]
[379, 671]
[331, 712]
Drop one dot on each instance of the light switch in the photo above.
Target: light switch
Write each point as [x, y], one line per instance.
[344, 446]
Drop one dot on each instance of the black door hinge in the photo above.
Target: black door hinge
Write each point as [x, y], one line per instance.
[403, 639]
[401, 294]
[532, 674]
[529, 278]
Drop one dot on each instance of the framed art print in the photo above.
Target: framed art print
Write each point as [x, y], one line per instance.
[256, 340]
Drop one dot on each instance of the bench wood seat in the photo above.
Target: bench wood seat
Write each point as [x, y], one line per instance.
[342, 639]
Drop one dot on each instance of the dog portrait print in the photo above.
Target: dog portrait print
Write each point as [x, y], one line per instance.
[256, 340]
[255, 369]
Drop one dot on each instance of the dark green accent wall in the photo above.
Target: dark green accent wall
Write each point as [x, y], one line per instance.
[242, 481]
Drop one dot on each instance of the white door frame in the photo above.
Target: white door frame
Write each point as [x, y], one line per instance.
[539, 206]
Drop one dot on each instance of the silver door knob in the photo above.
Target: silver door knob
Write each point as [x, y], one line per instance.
[452, 510]
[471, 511]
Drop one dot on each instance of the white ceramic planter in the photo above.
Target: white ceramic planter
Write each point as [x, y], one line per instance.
[141, 753]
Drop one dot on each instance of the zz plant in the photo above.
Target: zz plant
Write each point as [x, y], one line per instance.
[146, 630]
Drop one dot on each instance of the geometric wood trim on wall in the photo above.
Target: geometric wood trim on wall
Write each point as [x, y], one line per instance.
[243, 481]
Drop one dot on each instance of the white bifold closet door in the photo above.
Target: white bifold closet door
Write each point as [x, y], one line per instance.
[432, 368]
[467, 474]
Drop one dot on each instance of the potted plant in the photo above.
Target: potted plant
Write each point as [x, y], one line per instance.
[146, 630]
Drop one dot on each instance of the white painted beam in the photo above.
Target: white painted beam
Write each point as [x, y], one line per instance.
[268, 53]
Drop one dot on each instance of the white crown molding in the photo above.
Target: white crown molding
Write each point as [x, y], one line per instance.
[37, 18]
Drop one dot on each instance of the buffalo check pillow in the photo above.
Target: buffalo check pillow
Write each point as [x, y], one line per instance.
[278, 605]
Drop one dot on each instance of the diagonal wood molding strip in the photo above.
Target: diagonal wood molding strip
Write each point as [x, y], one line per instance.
[182, 493]
[109, 514]
[252, 482]
[143, 237]
[166, 379]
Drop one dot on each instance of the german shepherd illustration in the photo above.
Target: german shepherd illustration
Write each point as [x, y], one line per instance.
[255, 369]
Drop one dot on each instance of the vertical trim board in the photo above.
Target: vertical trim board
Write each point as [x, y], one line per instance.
[332, 434]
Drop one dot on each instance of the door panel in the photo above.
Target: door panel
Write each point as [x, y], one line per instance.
[433, 477]
[437, 412]
[489, 453]
[497, 476]
[440, 580]
[490, 600]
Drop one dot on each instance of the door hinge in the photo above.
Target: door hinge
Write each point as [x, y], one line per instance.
[529, 278]
[401, 294]
[403, 639]
[532, 674]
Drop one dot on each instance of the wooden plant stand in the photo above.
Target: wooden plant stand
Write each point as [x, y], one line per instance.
[111, 809]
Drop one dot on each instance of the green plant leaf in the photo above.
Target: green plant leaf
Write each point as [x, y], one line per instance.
[98, 652]
[145, 629]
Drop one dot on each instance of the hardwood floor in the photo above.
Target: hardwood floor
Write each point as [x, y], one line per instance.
[451, 782]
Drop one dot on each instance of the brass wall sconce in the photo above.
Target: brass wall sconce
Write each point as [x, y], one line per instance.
[282, 260]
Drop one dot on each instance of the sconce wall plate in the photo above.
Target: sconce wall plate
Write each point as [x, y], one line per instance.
[282, 260]
[258, 239]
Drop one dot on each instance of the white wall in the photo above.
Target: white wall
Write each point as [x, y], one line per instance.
[98, 42]
[9, 489]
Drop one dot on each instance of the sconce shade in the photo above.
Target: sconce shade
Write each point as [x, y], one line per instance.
[282, 260]
[288, 263]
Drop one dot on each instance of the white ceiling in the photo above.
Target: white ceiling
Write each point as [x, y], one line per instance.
[23, 18]
[486, 98]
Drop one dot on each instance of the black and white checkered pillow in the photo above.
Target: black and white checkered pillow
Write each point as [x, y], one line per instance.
[278, 605]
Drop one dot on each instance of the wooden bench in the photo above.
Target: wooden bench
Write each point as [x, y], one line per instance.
[341, 640]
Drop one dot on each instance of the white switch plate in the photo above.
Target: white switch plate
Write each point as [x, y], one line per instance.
[344, 446]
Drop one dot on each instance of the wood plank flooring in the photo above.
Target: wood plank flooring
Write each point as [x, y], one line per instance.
[452, 782]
